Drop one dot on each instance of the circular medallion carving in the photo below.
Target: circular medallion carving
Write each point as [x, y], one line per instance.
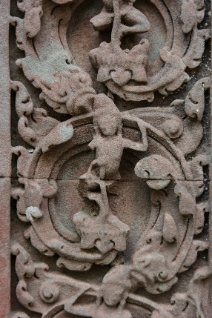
[108, 187]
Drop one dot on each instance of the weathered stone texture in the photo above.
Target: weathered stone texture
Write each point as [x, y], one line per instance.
[105, 111]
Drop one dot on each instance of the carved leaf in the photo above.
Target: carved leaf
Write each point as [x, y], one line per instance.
[195, 100]
[192, 136]
[157, 170]
[18, 194]
[23, 295]
[24, 160]
[195, 297]
[199, 291]
[197, 164]
[24, 264]
[202, 208]
[193, 57]
[36, 242]
[169, 229]
[33, 124]
[61, 133]
[196, 247]
[192, 13]
[199, 188]
[32, 21]
[187, 203]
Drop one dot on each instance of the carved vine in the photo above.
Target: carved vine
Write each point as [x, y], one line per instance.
[48, 293]
[123, 71]
[168, 246]
[159, 138]
[49, 64]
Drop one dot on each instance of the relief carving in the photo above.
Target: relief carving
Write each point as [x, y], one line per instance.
[160, 146]
[46, 292]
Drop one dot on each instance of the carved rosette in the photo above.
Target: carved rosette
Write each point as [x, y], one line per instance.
[157, 140]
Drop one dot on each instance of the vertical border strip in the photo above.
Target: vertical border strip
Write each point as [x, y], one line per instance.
[5, 248]
[5, 160]
[5, 140]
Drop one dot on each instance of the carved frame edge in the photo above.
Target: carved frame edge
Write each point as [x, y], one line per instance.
[5, 159]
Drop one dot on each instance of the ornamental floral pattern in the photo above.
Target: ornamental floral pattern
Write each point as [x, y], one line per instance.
[97, 149]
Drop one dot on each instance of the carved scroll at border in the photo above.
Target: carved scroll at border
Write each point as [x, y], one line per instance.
[161, 140]
[49, 65]
[124, 71]
[168, 247]
[39, 289]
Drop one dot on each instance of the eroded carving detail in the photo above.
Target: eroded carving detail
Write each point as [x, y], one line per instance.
[68, 89]
[124, 70]
[166, 248]
[157, 138]
[40, 289]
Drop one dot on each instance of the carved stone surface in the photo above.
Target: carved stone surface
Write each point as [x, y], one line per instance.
[109, 138]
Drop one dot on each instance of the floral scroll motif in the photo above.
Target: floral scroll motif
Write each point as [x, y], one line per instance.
[124, 70]
[157, 260]
[161, 141]
[40, 289]
[68, 89]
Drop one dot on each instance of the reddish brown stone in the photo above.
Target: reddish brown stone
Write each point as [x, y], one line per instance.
[5, 126]
[110, 186]
[5, 247]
